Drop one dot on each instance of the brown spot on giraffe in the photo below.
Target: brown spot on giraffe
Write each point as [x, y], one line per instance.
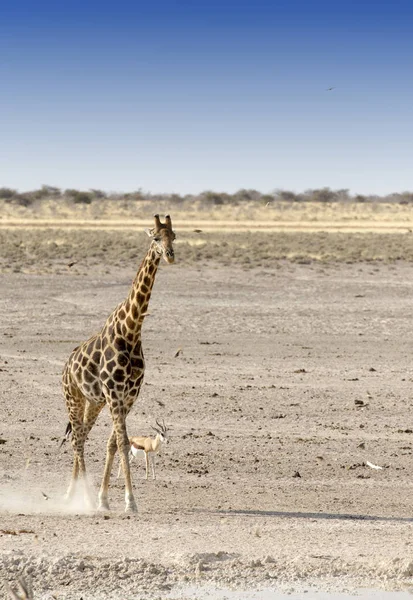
[108, 369]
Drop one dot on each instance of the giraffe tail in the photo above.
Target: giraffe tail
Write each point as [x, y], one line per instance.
[67, 435]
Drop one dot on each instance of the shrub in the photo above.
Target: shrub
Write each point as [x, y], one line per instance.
[98, 193]
[82, 198]
[71, 192]
[23, 199]
[286, 195]
[212, 198]
[49, 191]
[324, 195]
[7, 193]
[247, 195]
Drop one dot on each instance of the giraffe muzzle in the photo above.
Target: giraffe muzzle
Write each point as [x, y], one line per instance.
[169, 256]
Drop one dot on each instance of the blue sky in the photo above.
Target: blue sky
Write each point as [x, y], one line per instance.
[188, 96]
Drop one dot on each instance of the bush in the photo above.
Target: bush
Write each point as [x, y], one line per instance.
[176, 198]
[247, 195]
[82, 198]
[98, 193]
[49, 191]
[286, 195]
[212, 198]
[324, 195]
[23, 199]
[7, 193]
[71, 193]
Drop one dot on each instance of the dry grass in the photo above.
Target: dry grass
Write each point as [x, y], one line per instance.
[53, 250]
[275, 212]
[35, 240]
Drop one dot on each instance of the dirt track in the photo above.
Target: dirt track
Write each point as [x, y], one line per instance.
[291, 377]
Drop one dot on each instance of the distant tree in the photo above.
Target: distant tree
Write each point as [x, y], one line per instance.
[286, 195]
[49, 191]
[24, 199]
[247, 195]
[78, 196]
[70, 192]
[407, 197]
[99, 194]
[82, 198]
[403, 198]
[324, 195]
[176, 198]
[7, 193]
[212, 197]
[343, 195]
[137, 195]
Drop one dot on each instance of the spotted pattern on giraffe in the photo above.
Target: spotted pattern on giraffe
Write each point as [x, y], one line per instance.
[108, 369]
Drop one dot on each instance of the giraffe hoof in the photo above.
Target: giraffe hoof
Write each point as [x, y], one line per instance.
[103, 507]
[131, 507]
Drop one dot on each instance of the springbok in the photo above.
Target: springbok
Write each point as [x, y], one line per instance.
[148, 446]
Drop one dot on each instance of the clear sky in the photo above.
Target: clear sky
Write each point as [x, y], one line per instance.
[186, 96]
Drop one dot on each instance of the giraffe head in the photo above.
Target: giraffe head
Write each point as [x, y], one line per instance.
[163, 236]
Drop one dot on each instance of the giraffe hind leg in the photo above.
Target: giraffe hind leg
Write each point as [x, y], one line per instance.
[91, 413]
[111, 448]
[76, 406]
[82, 415]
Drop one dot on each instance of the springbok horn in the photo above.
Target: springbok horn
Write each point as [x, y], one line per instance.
[164, 426]
[168, 222]
[158, 224]
[158, 424]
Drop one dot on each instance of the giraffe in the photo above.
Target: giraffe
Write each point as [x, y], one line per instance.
[108, 369]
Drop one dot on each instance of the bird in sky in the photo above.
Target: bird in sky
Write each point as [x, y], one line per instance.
[330, 89]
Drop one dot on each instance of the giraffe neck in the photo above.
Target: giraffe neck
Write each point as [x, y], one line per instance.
[131, 312]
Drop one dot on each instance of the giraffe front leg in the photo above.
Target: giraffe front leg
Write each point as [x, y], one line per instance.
[123, 447]
[118, 441]
[110, 455]
[115, 443]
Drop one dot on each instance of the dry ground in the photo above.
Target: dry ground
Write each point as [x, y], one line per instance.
[295, 371]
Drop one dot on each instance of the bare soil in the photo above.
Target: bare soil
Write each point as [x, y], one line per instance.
[294, 373]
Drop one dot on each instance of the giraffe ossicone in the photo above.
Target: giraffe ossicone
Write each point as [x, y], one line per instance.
[108, 369]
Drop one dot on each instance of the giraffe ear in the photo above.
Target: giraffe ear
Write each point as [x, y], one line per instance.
[149, 232]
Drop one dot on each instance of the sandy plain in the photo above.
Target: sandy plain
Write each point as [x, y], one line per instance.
[294, 373]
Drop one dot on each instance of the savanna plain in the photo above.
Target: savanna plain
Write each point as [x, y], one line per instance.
[278, 352]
